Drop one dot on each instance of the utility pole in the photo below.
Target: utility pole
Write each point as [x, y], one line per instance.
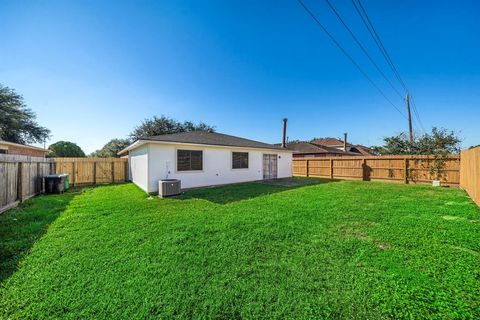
[410, 129]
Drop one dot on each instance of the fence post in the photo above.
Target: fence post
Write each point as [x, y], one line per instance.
[38, 184]
[95, 172]
[20, 182]
[74, 168]
[364, 168]
[331, 168]
[113, 171]
[125, 165]
[405, 164]
[308, 167]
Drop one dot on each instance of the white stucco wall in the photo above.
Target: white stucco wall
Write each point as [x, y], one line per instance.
[217, 165]
[138, 166]
[285, 165]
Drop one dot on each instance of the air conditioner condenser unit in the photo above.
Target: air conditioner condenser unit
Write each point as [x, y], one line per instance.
[169, 187]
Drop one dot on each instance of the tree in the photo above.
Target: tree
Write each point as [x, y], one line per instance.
[65, 149]
[111, 148]
[439, 141]
[17, 122]
[165, 125]
[439, 144]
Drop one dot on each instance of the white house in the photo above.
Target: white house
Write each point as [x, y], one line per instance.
[202, 158]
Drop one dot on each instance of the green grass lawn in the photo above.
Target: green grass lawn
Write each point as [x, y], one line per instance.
[330, 250]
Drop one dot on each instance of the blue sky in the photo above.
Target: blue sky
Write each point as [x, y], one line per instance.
[92, 70]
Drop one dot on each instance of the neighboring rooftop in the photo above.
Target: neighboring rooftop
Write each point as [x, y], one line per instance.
[329, 142]
[365, 151]
[209, 138]
[310, 148]
[332, 146]
[7, 147]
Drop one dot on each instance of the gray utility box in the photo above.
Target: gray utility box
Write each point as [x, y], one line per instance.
[169, 187]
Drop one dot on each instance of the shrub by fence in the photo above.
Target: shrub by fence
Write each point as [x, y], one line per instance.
[470, 173]
[21, 177]
[403, 169]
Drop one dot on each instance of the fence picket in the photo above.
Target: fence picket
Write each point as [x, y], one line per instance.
[21, 177]
[388, 168]
[470, 173]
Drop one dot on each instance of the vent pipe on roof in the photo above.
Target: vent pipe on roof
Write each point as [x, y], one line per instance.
[345, 142]
[284, 136]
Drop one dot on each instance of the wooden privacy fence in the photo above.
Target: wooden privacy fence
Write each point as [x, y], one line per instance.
[21, 177]
[470, 173]
[88, 171]
[403, 169]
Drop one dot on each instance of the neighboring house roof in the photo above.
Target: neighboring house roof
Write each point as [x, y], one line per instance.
[310, 147]
[329, 142]
[6, 144]
[205, 138]
[338, 143]
[365, 151]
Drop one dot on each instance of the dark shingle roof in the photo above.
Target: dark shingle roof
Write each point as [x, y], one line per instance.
[212, 138]
[365, 151]
[328, 142]
[309, 147]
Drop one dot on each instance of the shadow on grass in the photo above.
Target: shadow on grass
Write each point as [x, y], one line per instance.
[242, 191]
[22, 226]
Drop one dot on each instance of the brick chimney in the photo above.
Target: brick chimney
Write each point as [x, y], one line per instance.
[284, 136]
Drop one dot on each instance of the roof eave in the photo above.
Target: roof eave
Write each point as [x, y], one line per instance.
[140, 142]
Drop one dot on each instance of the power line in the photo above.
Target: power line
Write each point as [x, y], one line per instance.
[312, 15]
[371, 29]
[363, 48]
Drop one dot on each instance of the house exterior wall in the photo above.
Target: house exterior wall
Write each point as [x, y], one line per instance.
[138, 166]
[160, 160]
[26, 151]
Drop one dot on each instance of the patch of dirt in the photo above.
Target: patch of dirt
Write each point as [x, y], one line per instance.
[383, 245]
[354, 229]
[352, 232]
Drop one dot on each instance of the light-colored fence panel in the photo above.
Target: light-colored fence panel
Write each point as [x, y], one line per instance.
[470, 173]
[404, 168]
[88, 171]
[22, 177]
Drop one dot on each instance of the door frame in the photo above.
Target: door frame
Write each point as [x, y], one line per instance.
[271, 158]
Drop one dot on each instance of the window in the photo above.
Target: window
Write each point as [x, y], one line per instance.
[3, 151]
[239, 160]
[189, 160]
